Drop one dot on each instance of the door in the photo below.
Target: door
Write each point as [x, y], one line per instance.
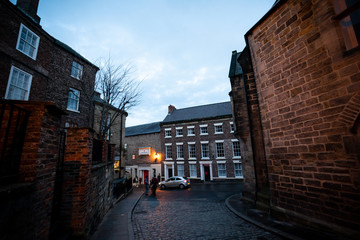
[170, 173]
[207, 173]
[146, 175]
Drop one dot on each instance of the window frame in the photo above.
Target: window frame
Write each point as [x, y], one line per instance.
[179, 151]
[193, 172]
[192, 152]
[178, 170]
[36, 46]
[216, 125]
[232, 127]
[79, 70]
[166, 131]
[220, 152]
[205, 150]
[221, 170]
[236, 170]
[204, 127]
[78, 101]
[178, 130]
[193, 130]
[167, 152]
[236, 141]
[11, 75]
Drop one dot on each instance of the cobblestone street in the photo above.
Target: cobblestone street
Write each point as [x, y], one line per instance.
[176, 214]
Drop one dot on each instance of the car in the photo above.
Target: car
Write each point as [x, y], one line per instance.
[175, 182]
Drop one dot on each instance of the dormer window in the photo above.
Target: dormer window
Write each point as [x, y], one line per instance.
[76, 70]
[28, 42]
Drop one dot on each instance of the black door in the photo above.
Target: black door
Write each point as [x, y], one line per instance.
[170, 173]
[207, 173]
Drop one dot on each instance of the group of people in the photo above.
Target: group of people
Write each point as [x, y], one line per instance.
[149, 185]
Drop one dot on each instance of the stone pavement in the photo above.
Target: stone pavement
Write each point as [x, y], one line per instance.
[117, 225]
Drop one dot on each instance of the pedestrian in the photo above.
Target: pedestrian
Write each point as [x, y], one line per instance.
[136, 181]
[154, 184]
[159, 178]
[146, 186]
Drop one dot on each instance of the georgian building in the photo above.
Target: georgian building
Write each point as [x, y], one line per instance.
[198, 142]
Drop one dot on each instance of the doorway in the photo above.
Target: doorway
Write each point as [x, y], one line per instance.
[170, 172]
[207, 173]
[146, 175]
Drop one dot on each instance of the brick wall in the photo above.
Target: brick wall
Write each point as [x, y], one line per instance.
[309, 97]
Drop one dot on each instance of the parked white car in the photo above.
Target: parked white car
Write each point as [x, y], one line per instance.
[175, 182]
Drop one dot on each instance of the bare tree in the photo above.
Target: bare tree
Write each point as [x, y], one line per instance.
[119, 92]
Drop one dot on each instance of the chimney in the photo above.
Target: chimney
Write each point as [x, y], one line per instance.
[171, 108]
[29, 7]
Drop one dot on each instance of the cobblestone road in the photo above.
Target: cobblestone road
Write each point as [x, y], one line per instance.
[190, 218]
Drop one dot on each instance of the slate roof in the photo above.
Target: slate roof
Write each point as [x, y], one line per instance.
[235, 68]
[142, 129]
[215, 110]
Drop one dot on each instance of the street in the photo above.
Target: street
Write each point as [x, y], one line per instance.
[195, 213]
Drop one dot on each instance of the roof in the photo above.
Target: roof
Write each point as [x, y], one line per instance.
[235, 68]
[142, 129]
[215, 110]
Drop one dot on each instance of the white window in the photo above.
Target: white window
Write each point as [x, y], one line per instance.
[73, 100]
[203, 130]
[168, 151]
[76, 70]
[191, 131]
[238, 169]
[167, 132]
[221, 170]
[179, 131]
[232, 127]
[218, 128]
[193, 172]
[220, 153]
[204, 150]
[192, 152]
[19, 84]
[236, 148]
[180, 168]
[179, 151]
[28, 42]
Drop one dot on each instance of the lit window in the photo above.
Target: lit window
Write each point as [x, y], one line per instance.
[73, 100]
[192, 153]
[28, 42]
[193, 172]
[236, 149]
[76, 70]
[179, 132]
[218, 128]
[168, 133]
[191, 131]
[19, 84]
[220, 153]
[203, 130]
[179, 151]
[221, 170]
[348, 14]
[180, 168]
[168, 152]
[204, 150]
[238, 169]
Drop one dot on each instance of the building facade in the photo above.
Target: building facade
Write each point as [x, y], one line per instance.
[199, 143]
[300, 80]
[143, 151]
[37, 67]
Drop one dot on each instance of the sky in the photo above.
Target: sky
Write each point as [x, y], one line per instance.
[180, 49]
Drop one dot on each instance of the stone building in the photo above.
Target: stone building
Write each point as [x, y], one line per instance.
[296, 100]
[198, 142]
[143, 150]
[37, 67]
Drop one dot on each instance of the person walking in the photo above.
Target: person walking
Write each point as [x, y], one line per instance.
[146, 186]
[154, 184]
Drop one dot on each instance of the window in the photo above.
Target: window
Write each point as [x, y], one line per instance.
[192, 153]
[167, 132]
[203, 130]
[193, 172]
[73, 100]
[76, 70]
[180, 168]
[232, 127]
[238, 169]
[204, 150]
[28, 42]
[179, 132]
[19, 84]
[236, 148]
[348, 14]
[191, 131]
[220, 153]
[168, 152]
[218, 128]
[179, 151]
[221, 170]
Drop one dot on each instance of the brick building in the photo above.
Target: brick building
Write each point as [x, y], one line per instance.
[296, 98]
[198, 142]
[143, 148]
[37, 67]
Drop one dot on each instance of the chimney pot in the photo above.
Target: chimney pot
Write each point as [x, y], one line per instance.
[171, 108]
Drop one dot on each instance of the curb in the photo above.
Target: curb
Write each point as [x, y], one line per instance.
[256, 223]
[130, 218]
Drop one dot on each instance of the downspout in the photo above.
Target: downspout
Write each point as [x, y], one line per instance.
[121, 132]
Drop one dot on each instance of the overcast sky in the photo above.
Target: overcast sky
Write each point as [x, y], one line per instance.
[181, 48]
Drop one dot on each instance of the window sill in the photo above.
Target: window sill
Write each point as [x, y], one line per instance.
[167, 137]
[205, 158]
[204, 134]
[179, 135]
[72, 110]
[219, 133]
[75, 77]
[191, 135]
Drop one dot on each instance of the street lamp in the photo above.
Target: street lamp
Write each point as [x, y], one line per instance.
[156, 157]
